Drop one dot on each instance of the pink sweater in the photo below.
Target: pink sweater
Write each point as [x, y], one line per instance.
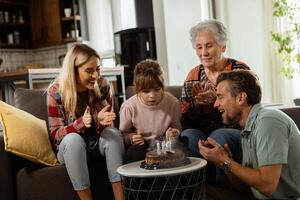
[140, 118]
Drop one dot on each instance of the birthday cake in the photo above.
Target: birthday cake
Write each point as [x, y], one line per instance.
[164, 158]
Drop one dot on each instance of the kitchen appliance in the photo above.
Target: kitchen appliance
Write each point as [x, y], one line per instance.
[132, 46]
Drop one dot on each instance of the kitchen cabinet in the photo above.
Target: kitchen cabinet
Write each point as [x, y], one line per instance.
[73, 18]
[45, 22]
[14, 24]
[39, 23]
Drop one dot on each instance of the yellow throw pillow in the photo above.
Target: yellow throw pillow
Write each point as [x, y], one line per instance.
[26, 135]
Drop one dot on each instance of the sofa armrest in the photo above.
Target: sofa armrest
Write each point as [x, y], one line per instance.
[6, 173]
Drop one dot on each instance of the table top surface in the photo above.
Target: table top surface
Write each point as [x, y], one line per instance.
[134, 170]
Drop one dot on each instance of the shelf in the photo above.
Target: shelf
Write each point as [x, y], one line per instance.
[71, 18]
[15, 25]
[13, 3]
[70, 40]
[8, 46]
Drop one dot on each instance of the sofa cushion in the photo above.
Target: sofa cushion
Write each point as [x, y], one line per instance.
[32, 101]
[25, 135]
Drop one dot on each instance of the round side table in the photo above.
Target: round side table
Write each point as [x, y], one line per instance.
[179, 183]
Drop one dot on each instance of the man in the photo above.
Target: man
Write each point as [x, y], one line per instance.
[270, 140]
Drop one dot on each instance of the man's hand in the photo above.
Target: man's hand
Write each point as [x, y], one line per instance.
[87, 117]
[213, 152]
[105, 117]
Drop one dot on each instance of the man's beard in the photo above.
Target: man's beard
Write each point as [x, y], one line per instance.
[232, 121]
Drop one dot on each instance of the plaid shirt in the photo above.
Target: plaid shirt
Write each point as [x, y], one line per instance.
[61, 123]
[205, 117]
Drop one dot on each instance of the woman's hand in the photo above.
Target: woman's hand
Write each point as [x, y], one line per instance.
[172, 133]
[87, 117]
[206, 97]
[105, 117]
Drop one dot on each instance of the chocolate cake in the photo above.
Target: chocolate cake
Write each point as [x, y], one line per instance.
[168, 159]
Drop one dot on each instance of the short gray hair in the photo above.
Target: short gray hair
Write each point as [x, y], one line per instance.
[215, 27]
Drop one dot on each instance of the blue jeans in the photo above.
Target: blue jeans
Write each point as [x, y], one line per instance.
[229, 136]
[72, 152]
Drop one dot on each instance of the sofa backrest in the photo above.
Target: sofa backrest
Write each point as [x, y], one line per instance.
[32, 101]
[294, 113]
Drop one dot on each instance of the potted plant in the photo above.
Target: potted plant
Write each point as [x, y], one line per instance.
[286, 40]
[74, 31]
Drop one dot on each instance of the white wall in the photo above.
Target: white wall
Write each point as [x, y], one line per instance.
[99, 16]
[249, 36]
[123, 12]
[173, 20]
[105, 17]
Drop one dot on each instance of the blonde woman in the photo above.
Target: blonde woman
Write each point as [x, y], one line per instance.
[80, 118]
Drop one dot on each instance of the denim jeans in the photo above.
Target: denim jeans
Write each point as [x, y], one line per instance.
[72, 152]
[229, 136]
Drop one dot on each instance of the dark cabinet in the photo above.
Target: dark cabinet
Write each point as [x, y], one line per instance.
[133, 46]
[45, 22]
[14, 24]
[38, 23]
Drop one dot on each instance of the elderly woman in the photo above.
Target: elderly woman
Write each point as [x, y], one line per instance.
[199, 117]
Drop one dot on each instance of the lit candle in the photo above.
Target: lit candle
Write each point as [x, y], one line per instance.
[158, 147]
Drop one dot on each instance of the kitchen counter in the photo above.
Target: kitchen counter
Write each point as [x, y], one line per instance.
[7, 79]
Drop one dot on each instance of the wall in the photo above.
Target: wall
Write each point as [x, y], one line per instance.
[105, 17]
[173, 20]
[248, 24]
[46, 57]
[99, 17]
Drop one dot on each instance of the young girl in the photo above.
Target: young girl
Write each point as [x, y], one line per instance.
[79, 113]
[150, 113]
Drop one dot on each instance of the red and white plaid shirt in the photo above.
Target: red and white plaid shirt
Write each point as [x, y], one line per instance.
[61, 123]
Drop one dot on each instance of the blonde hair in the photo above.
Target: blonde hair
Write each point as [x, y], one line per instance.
[77, 56]
[148, 74]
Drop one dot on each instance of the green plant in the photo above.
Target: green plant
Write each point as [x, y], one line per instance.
[72, 27]
[286, 40]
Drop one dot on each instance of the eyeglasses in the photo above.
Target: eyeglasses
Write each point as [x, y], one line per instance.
[91, 72]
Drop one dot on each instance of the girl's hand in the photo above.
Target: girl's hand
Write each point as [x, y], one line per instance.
[105, 117]
[87, 117]
[172, 133]
[137, 139]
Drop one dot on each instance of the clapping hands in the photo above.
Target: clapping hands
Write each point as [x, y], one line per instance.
[106, 117]
[204, 95]
[87, 117]
[214, 152]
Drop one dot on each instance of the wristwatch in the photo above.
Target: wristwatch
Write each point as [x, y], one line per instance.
[226, 165]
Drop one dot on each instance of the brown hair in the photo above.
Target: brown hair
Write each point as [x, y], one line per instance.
[242, 81]
[148, 74]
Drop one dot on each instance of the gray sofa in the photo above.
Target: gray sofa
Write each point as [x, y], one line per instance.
[23, 180]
